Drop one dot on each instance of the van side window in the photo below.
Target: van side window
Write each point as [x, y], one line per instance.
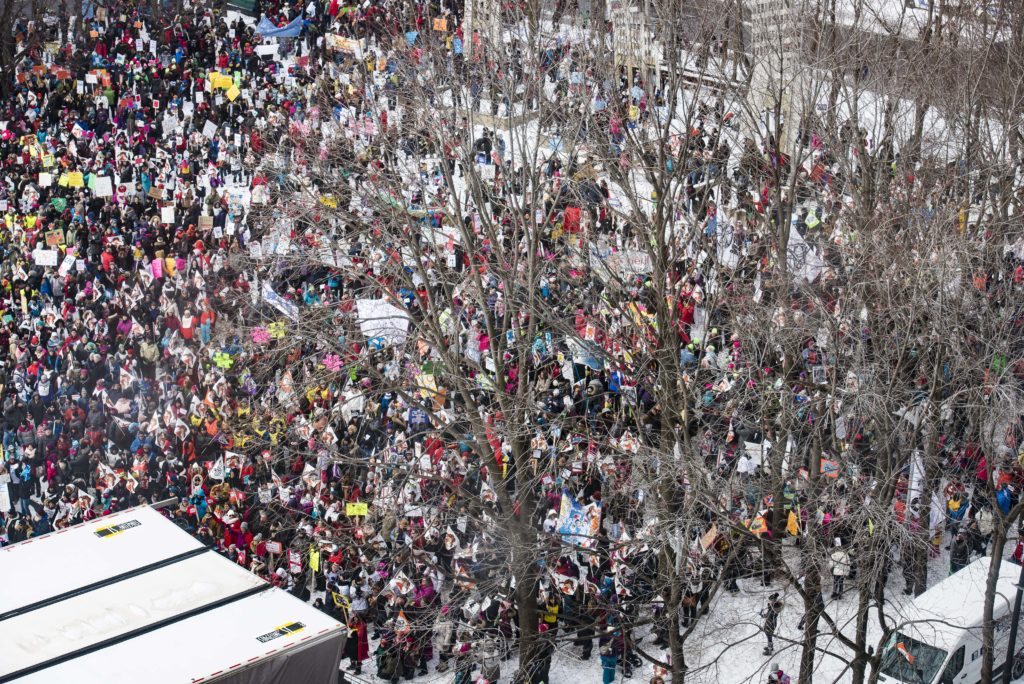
[956, 663]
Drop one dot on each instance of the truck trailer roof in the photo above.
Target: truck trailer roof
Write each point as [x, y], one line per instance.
[117, 606]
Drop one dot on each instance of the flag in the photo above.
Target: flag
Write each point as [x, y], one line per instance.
[451, 540]
[402, 626]
[829, 468]
[708, 540]
[463, 578]
[217, 471]
[901, 647]
[567, 585]
[401, 584]
[792, 526]
[126, 378]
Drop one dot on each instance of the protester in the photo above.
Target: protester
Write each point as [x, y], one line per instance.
[771, 621]
[840, 565]
[960, 553]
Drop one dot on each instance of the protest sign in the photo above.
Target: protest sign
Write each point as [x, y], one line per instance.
[357, 509]
[103, 186]
[45, 257]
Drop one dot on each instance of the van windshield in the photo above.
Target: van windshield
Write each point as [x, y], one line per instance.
[910, 660]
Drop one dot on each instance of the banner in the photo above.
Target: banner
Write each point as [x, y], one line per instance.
[382, 321]
[342, 44]
[280, 303]
[579, 525]
[267, 29]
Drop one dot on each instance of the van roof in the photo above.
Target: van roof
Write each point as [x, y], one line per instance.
[957, 603]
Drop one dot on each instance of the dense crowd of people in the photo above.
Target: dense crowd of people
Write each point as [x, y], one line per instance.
[136, 157]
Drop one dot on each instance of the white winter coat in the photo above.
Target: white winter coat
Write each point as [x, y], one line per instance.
[839, 563]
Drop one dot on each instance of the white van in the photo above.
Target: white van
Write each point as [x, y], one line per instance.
[939, 635]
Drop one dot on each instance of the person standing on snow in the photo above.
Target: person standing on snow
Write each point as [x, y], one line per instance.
[608, 665]
[771, 620]
[357, 648]
[959, 553]
[839, 564]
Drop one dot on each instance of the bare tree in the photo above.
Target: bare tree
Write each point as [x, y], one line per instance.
[778, 256]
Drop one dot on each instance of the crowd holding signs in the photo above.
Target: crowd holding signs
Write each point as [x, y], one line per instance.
[392, 426]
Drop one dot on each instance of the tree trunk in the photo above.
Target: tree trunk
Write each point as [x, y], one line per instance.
[920, 110]
[988, 626]
[859, 665]
[675, 639]
[529, 644]
[812, 611]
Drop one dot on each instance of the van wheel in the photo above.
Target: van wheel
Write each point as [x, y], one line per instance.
[1017, 669]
